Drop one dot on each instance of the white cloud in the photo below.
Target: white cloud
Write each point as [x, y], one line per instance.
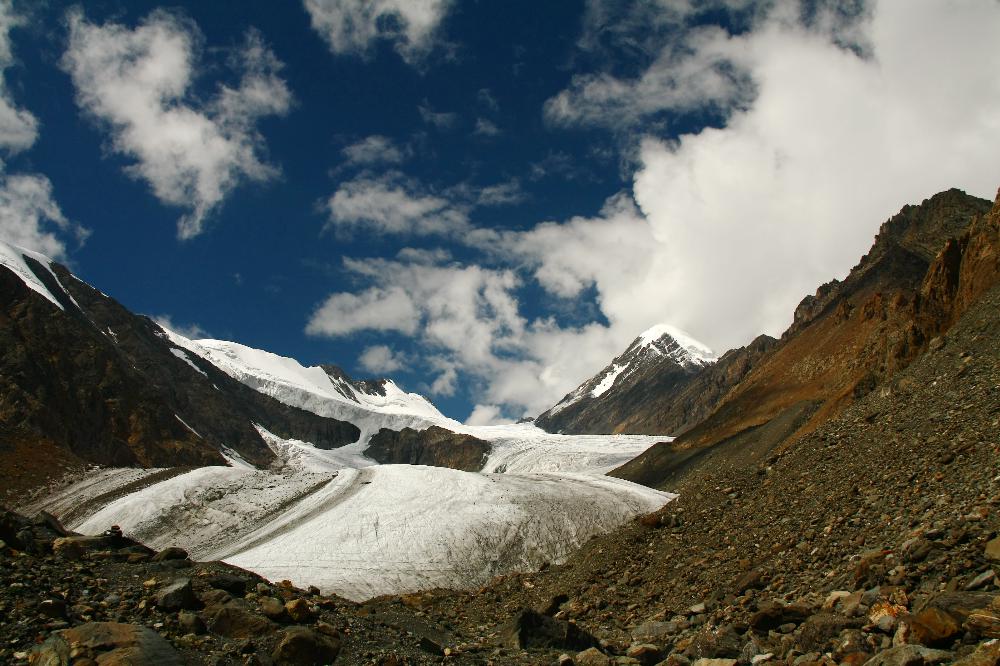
[483, 415]
[486, 127]
[381, 359]
[192, 331]
[18, 127]
[391, 204]
[740, 222]
[727, 228]
[354, 26]
[138, 84]
[29, 214]
[439, 119]
[378, 309]
[375, 149]
[28, 211]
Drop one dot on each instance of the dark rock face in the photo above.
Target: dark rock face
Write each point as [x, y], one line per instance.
[435, 447]
[93, 383]
[849, 338]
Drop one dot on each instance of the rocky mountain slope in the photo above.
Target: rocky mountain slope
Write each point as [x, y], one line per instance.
[849, 337]
[83, 380]
[661, 361]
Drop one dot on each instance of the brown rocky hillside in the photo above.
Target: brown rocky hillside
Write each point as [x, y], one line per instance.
[851, 336]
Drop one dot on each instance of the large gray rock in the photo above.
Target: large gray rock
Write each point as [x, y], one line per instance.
[910, 655]
[107, 643]
[177, 595]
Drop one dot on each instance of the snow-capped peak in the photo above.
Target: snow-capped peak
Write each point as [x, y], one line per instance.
[13, 257]
[694, 350]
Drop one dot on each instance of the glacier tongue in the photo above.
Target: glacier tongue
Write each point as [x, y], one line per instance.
[334, 519]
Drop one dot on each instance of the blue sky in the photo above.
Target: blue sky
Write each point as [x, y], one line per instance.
[486, 201]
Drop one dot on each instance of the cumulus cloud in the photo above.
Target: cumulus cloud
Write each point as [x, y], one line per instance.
[439, 119]
[192, 331]
[138, 84]
[380, 359]
[376, 308]
[727, 227]
[355, 26]
[392, 204]
[844, 128]
[483, 415]
[30, 215]
[375, 149]
[486, 128]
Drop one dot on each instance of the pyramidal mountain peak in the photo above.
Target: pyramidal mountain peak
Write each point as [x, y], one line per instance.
[663, 353]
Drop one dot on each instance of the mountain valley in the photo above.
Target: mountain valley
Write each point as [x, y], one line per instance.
[831, 497]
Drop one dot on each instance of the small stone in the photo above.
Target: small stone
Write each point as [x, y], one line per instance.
[697, 609]
[982, 580]
[54, 608]
[565, 660]
[271, 607]
[886, 624]
[992, 550]
[986, 654]
[299, 610]
[592, 657]
[646, 654]
[190, 622]
[714, 662]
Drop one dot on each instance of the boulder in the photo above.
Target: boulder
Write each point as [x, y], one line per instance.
[910, 655]
[77, 547]
[106, 643]
[232, 583]
[234, 621]
[171, 553]
[773, 615]
[301, 646]
[177, 595]
[530, 629]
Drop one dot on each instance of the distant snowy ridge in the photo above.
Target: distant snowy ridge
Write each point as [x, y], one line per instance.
[368, 405]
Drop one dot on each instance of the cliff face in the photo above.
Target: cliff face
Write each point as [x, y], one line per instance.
[850, 337]
[90, 382]
[435, 447]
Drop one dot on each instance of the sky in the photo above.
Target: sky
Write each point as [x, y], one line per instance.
[486, 201]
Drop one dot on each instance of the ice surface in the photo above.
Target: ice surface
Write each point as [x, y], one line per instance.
[335, 519]
[377, 530]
